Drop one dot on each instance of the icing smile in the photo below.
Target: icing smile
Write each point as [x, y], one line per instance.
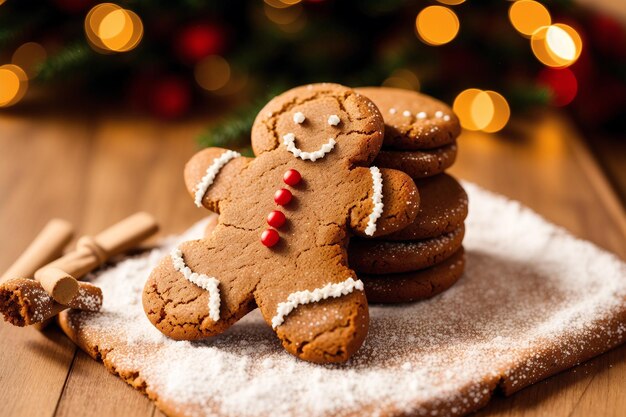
[289, 141]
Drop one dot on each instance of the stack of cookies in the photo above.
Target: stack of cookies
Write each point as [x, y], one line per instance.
[426, 257]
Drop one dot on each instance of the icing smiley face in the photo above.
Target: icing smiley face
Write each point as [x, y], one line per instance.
[325, 121]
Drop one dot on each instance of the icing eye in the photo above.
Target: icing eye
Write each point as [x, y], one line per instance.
[298, 117]
[333, 120]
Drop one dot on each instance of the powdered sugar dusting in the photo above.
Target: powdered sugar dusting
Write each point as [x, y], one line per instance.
[529, 290]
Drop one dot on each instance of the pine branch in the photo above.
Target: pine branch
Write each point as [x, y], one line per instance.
[70, 58]
[234, 130]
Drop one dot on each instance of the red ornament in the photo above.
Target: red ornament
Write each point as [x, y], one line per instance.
[276, 219]
[282, 197]
[561, 82]
[269, 237]
[170, 97]
[198, 41]
[292, 177]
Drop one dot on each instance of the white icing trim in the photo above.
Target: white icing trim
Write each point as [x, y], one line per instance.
[298, 117]
[211, 173]
[203, 281]
[289, 141]
[306, 297]
[333, 120]
[377, 201]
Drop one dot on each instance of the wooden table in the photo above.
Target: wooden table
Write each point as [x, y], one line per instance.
[95, 170]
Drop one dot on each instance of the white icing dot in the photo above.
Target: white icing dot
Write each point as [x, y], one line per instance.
[446, 118]
[393, 111]
[289, 141]
[421, 115]
[439, 114]
[333, 120]
[377, 200]
[306, 297]
[406, 113]
[298, 117]
[211, 173]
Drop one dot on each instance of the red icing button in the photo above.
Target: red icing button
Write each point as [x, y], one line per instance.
[292, 177]
[276, 219]
[269, 237]
[282, 197]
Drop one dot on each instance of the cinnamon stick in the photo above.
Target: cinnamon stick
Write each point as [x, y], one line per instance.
[24, 302]
[93, 252]
[47, 246]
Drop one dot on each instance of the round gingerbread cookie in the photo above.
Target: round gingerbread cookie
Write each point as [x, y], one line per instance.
[413, 121]
[419, 164]
[413, 286]
[443, 208]
[387, 257]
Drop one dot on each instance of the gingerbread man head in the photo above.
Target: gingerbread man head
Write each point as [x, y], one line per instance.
[285, 220]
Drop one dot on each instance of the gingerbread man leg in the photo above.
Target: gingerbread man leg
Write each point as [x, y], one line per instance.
[320, 315]
[187, 301]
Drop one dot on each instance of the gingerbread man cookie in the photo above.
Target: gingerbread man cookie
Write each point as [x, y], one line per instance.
[284, 224]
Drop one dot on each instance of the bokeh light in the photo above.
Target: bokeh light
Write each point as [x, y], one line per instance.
[451, 2]
[482, 110]
[403, 78]
[501, 112]
[281, 4]
[562, 84]
[557, 45]
[14, 82]
[283, 16]
[437, 25]
[28, 57]
[110, 28]
[528, 15]
[212, 73]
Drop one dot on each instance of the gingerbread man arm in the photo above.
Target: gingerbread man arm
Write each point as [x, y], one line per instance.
[209, 175]
[389, 201]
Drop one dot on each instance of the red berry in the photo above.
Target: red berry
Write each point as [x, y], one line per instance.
[276, 219]
[269, 237]
[282, 197]
[292, 177]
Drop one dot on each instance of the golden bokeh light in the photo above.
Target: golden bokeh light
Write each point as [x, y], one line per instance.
[110, 28]
[501, 112]
[283, 16]
[28, 57]
[212, 73]
[482, 110]
[437, 25]
[463, 107]
[528, 15]
[14, 82]
[557, 45]
[281, 4]
[451, 2]
[403, 78]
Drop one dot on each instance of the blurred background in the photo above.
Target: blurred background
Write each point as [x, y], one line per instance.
[493, 60]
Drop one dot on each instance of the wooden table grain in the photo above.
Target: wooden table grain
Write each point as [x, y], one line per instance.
[94, 170]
